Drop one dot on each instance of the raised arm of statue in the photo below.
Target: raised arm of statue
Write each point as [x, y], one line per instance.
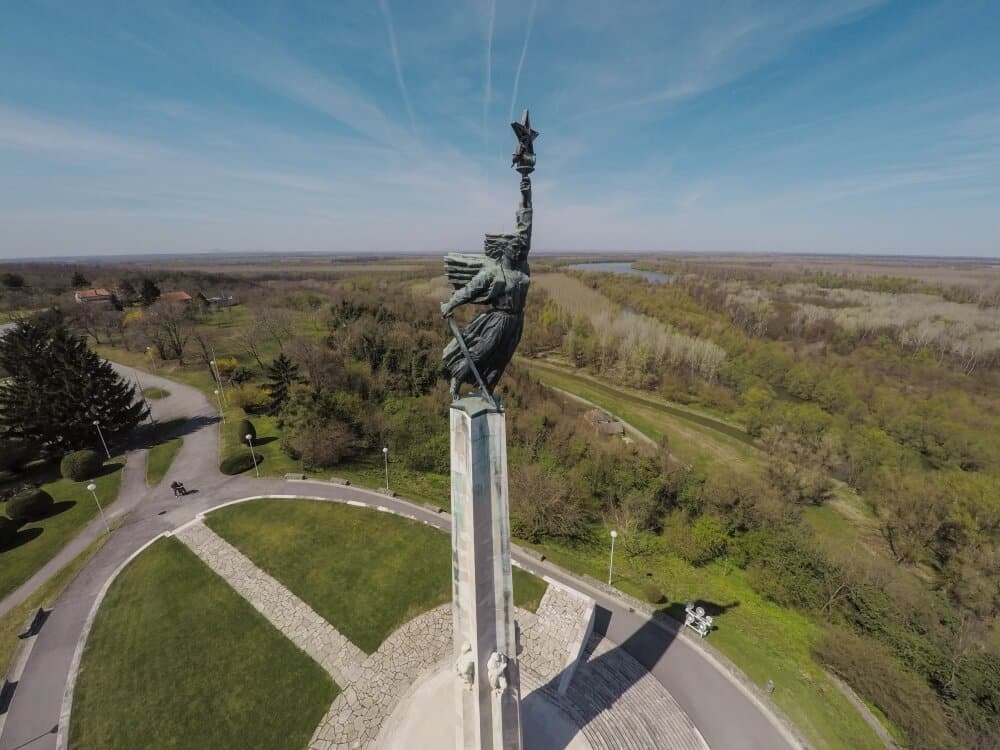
[525, 214]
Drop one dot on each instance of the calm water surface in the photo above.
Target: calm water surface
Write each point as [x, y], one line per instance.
[625, 268]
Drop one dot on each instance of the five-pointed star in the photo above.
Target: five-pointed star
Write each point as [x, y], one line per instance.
[525, 136]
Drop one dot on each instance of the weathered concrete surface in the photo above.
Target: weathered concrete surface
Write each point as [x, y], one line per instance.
[418, 725]
[482, 583]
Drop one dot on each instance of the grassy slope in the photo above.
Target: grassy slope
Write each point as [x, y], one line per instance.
[177, 659]
[159, 459]
[365, 572]
[766, 641]
[689, 435]
[37, 542]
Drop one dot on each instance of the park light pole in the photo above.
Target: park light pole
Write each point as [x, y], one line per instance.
[611, 565]
[222, 412]
[93, 491]
[252, 454]
[385, 455]
[214, 367]
[152, 357]
[101, 435]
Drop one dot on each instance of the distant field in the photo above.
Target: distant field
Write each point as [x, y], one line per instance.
[936, 271]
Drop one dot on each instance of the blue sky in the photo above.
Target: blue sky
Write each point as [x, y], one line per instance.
[851, 126]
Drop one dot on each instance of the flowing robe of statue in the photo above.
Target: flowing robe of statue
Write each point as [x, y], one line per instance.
[500, 279]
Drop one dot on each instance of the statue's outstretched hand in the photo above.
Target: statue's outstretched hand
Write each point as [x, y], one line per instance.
[445, 310]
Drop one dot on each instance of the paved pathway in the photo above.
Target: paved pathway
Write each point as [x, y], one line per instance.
[728, 714]
[357, 714]
[289, 614]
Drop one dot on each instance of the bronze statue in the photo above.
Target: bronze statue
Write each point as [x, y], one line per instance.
[479, 354]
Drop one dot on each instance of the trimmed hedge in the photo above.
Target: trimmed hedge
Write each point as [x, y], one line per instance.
[29, 505]
[81, 465]
[239, 463]
[245, 427]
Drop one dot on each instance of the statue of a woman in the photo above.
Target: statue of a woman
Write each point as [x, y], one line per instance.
[500, 280]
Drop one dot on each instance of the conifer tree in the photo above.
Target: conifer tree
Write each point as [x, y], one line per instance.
[282, 374]
[58, 387]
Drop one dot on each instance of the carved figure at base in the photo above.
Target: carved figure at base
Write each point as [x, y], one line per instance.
[496, 671]
[465, 666]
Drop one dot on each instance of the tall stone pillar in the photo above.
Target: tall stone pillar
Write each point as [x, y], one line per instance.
[487, 681]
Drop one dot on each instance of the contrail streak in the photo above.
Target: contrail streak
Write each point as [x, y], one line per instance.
[387, 15]
[489, 76]
[524, 53]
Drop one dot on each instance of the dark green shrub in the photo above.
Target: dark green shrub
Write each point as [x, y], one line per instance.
[8, 530]
[29, 505]
[245, 427]
[239, 463]
[14, 454]
[81, 465]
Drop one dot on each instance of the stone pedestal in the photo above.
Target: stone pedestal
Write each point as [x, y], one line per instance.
[487, 681]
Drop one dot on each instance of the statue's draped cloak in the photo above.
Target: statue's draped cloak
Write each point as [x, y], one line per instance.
[493, 335]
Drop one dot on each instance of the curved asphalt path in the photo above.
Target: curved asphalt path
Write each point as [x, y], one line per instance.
[728, 714]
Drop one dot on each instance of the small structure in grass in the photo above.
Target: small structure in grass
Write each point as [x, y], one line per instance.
[604, 423]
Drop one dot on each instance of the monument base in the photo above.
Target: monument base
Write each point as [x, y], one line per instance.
[421, 720]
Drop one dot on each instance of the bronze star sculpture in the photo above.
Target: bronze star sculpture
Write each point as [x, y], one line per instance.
[480, 353]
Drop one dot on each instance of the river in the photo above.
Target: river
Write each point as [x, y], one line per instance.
[624, 268]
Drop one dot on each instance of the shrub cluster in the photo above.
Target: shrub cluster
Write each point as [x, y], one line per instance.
[239, 463]
[81, 465]
[29, 505]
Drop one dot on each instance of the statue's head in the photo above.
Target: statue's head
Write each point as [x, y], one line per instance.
[510, 246]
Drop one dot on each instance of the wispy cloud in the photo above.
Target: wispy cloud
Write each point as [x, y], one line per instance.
[524, 53]
[488, 84]
[387, 15]
[23, 130]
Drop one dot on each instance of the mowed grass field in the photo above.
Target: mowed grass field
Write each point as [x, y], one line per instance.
[159, 459]
[177, 659]
[38, 541]
[366, 572]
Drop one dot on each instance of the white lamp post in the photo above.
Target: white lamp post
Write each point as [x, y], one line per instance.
[142, 395]
[253, 455]
[385, 455]
[214, 367]
[101, 435]
[222, 412]
[611, 565]
[152, 357]
[93, 491]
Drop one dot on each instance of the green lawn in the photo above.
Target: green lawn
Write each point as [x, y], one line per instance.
[37, 542]
[365, 572]
[159, 459]
[177, 659]
[154, 394]
[766, 641]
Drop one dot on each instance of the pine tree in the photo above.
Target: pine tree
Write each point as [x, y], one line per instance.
[79, 280]
[282, 374]
[57, 389]
[148, 292]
